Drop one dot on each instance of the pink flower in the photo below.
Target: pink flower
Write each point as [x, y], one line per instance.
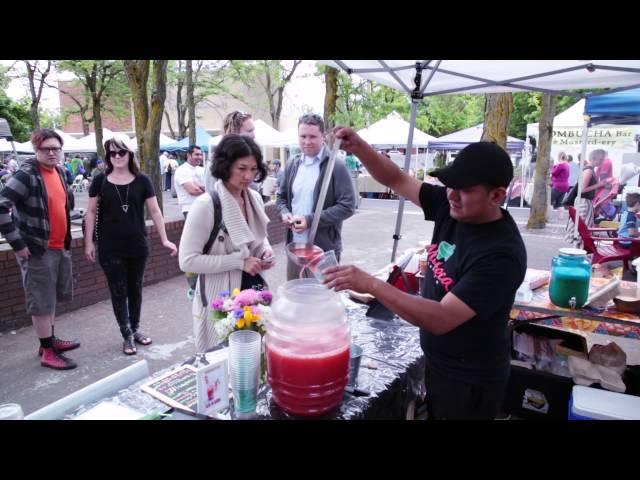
[247, 297]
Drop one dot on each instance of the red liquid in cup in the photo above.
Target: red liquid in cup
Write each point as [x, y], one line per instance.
[308, 384]
[305, 254]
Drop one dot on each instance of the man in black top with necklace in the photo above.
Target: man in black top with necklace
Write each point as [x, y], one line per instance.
[476, 262]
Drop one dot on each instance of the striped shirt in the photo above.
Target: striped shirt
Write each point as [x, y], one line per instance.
[24, 211]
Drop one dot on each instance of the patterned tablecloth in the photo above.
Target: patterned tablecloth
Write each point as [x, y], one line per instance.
[605, 320]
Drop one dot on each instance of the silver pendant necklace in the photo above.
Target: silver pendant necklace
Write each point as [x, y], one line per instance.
[125, 204]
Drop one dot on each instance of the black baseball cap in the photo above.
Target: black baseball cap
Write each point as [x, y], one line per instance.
[478, 163]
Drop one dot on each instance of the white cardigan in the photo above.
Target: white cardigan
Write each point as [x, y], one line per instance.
[223, 264]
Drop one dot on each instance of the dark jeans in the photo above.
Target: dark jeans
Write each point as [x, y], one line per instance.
[124, 276]
[167, 181]
[449, 399]
[556, 198]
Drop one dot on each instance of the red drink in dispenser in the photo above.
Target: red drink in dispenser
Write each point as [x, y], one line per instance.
[307, 346]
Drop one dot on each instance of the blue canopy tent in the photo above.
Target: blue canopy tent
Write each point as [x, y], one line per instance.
[621, 108]
[459, 140]
[202, 140]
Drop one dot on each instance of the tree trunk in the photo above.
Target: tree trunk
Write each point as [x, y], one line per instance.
[180, 107]
[35, 118]
[497, 113]
[91, 82]
[85, 125]
[166, 116]
[537, 215]
[97, 125]
[191, 107]
[148, 119]
[331, 96]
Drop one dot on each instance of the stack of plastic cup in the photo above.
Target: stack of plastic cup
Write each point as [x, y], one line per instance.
[244, 368]
[11, 411]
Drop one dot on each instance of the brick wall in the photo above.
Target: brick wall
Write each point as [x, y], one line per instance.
[89, 280]
[73, 123]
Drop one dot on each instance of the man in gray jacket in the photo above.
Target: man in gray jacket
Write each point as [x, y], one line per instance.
[300, 187]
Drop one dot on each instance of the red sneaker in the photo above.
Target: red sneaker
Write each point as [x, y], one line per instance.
[61, 345]
[52, 359]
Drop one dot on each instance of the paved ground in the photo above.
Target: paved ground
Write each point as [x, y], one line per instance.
[166, 309]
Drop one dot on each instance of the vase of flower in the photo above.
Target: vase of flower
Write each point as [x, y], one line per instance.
[242, 310]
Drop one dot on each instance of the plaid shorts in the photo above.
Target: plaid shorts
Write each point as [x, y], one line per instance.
[46, 279]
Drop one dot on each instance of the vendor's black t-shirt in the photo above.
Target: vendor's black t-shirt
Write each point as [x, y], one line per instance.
[121, 233]
[483, 265]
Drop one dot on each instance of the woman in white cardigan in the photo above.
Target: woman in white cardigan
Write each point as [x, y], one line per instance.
[241, 249]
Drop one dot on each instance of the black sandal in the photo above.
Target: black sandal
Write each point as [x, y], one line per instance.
[129, 347]
[141, 339]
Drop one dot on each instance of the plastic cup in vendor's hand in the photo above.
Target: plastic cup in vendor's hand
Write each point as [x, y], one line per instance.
[321, 263]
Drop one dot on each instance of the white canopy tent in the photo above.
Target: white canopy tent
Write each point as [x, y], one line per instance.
[69, 142]
[291, 137]
[266, 136]
[164, 140]
[24, 147]
[393, 131]
[420, 78]
[88, 143]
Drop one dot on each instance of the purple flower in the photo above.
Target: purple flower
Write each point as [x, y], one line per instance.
[238, 313]
[266, 297]
[217, 304]
[225, 293]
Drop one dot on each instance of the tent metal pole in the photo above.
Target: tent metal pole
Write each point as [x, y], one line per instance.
[583, 158]
[15, 153]
[407, 162]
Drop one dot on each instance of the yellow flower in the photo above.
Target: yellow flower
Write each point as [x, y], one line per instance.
[240, 323]
[236, 292]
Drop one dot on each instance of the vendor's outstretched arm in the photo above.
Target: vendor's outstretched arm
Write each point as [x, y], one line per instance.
[380, 167]
[436, 317]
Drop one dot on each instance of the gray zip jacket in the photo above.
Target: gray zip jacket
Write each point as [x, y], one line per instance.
[339, 204]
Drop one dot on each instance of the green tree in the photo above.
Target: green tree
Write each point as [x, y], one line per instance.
[445, 114]
[497, 113]
[209, 79]
[148, 112]
[191, 106]
[37, 72]
[331, 95]
[105, 88]
[272, 75]
[18, 114]
[540, 200]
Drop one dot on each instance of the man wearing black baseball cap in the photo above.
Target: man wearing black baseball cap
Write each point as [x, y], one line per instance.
[476, 262]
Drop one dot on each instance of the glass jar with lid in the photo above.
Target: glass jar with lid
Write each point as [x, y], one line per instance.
[570, 277]
[307, 347]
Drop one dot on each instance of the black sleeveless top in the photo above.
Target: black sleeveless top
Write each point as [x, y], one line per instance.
[591, 194]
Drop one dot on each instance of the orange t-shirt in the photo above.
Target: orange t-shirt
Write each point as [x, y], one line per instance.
[56, 203]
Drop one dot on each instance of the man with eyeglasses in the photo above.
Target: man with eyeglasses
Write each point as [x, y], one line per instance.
[35, 220]
[189, 179]
[299, 190]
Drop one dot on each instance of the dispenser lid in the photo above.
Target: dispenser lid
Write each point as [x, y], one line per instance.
[574, 252]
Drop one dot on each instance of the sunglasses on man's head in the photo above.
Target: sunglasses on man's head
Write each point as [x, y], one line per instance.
[121, 153]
